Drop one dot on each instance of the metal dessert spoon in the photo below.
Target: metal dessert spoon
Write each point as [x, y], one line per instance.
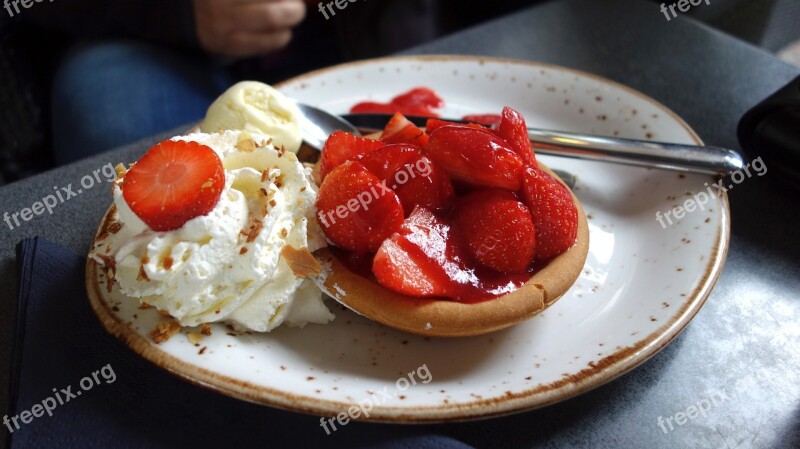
[316, 124]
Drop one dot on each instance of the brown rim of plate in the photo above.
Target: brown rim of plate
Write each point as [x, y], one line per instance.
[594, 375]
[444, 318]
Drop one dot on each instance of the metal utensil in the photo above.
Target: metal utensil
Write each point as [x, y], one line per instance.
[316, 125]
[689, 158]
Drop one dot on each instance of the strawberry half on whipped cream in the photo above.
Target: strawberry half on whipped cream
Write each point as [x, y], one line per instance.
[217, 228]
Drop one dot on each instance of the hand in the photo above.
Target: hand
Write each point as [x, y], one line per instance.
[242, 28]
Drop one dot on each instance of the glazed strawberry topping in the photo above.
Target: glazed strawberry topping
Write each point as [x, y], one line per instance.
[174, 182]
[428, 258]
[484, 237]
[342, 146]
[356, 210]
[513, 130]
[498, 230]
[414, 177]
[476, 156]
[400, 130]
[555, 216]
[434, 123]
[490, 120]
[421, 259]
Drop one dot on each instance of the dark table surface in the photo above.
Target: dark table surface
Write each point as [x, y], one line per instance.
[750, 326]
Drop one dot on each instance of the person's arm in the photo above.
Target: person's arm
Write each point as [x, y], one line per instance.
[167, 21]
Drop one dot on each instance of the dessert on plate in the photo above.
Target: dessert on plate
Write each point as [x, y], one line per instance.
[454, 230]
[451, 230]
[217, 227]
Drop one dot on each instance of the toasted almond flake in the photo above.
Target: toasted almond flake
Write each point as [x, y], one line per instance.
[246, 143]
[301, 261]
[164, 331]
[110, 266]
[115, 227]
[121, 170]
[255, 229]
[194, 337]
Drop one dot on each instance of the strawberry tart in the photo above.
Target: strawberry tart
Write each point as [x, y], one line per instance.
[453, 230]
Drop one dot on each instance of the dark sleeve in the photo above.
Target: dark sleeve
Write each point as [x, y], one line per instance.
[167, 21]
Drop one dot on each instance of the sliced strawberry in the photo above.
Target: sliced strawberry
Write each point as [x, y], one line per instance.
[498, 229]
[401, 130]
[371, 107]
[342, 146]
[434, 124]
[490, 120]
[174, 182]
[418, 97]
[356, 210]
[476, 156]
[419, 101]
[422, 259]
[513, 130]
[417, 180]
[554, 213]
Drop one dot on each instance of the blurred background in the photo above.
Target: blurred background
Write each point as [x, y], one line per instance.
[57, 58]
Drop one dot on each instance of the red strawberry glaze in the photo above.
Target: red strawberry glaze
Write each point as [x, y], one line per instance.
[464, 280]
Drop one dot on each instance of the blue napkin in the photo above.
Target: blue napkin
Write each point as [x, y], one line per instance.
[75, 386]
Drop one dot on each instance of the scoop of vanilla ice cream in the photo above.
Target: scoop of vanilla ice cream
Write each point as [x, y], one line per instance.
[257, 108]
[228, 265]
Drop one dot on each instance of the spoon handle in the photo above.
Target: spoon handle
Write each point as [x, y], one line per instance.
[711, 160]
[672, 156]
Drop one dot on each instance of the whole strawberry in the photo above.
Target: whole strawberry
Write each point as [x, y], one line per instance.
[356, 210]
[498, 229]
[553, 210]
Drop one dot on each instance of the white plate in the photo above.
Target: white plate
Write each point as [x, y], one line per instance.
[641, 285]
